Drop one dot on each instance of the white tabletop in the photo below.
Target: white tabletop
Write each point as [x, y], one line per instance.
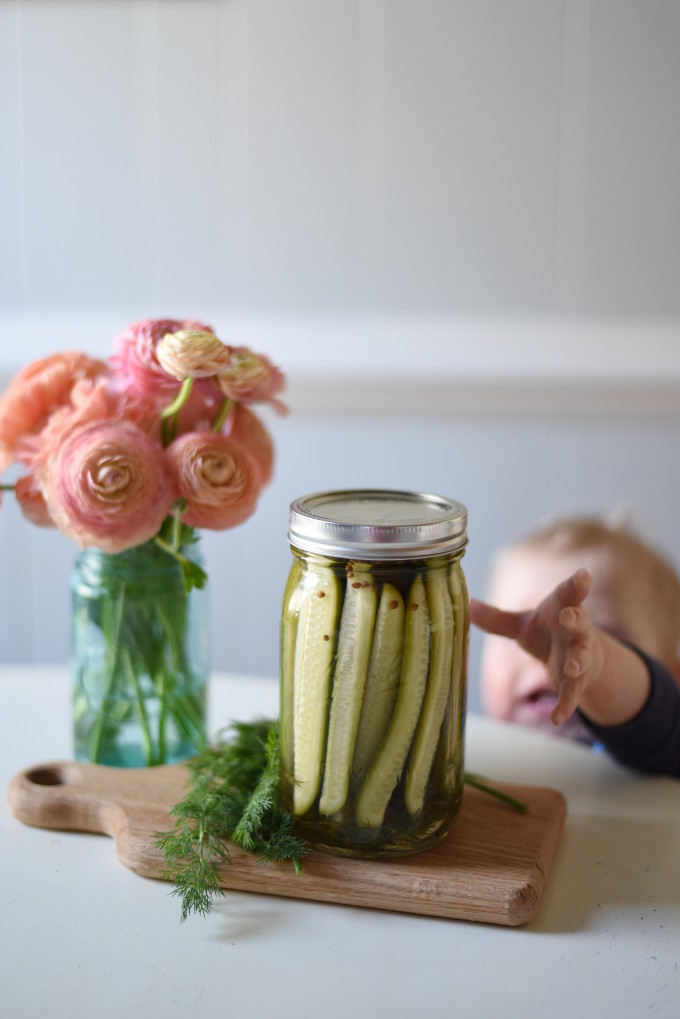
[82, 936]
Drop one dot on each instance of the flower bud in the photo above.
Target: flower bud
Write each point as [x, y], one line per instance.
[189, 354]
[251, 377]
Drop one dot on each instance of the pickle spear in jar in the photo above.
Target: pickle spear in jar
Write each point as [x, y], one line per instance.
[349, 680]
[292, 601]
[437, 690]
[387, 767]
[314, 652]
[382, 682]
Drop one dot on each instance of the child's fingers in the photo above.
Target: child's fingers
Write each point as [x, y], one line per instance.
[493, 620]
[570, 693]
[574, 589]
[575, 620]
[570, 592]
[577, 665]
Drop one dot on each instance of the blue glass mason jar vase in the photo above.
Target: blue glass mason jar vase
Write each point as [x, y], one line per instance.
[140, 658]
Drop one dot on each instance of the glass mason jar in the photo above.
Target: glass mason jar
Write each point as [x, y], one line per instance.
[373, 670]
[140, 658]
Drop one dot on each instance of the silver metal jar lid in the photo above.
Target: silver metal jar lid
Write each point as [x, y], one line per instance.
[377, 524]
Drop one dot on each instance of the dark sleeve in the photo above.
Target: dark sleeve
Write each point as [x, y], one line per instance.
[651, 740]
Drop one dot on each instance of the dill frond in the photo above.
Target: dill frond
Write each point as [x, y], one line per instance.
[233, 796]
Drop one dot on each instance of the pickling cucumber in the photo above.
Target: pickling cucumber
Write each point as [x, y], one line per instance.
[349, 679]
[313, 661]
[460, 599]
[386, 769]
[437, 689]
[292, 600]
[382, 682]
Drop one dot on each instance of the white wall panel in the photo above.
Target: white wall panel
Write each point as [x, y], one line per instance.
[367, 256]
[188, 143]
[471, 154]
[632, 261]
[74, 61]
[12, 250]
[300, 116]
[232, 211]
[572, 162]
[144, 160]
[302, 156]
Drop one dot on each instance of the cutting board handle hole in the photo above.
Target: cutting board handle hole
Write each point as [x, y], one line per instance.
[48, 776]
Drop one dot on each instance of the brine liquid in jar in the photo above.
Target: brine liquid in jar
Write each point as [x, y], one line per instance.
[373, 671]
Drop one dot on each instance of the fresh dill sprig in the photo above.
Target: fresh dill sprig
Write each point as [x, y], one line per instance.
[233, 797]
[254, 825]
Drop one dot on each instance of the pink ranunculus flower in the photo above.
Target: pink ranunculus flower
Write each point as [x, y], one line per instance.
[218, 478]
[134, 359]
[36, 392]
[32, 502]
[251, 377]
[108, 486]
[245, 427]
[190, 354]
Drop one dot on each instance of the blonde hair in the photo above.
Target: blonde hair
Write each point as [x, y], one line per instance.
[630, 555]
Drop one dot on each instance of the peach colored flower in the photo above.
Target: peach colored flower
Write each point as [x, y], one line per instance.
[244, 427]
[89, 400]
[251, 377]
[108, 486]
[134, 357]
[190, 354]
[38, 390]
[32, 502]
[218, 478]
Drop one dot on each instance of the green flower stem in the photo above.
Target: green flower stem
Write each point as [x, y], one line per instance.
[169, 414]
[162, 715]
[180, 399]
[188, 716]
[193, 574]
[167, 547]
[222, 414]
[173, 644]
[173, 640]
[146, 732]
[177, 524]
[112, 645]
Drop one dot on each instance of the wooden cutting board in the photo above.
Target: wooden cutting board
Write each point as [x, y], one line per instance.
[492, 867]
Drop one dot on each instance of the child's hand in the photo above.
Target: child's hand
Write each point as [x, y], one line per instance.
[560, 633]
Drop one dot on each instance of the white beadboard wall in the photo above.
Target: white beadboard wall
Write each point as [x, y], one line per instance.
[454, 224]
[458, 156]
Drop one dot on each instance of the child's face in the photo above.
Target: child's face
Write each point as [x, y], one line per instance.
[515, 686]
